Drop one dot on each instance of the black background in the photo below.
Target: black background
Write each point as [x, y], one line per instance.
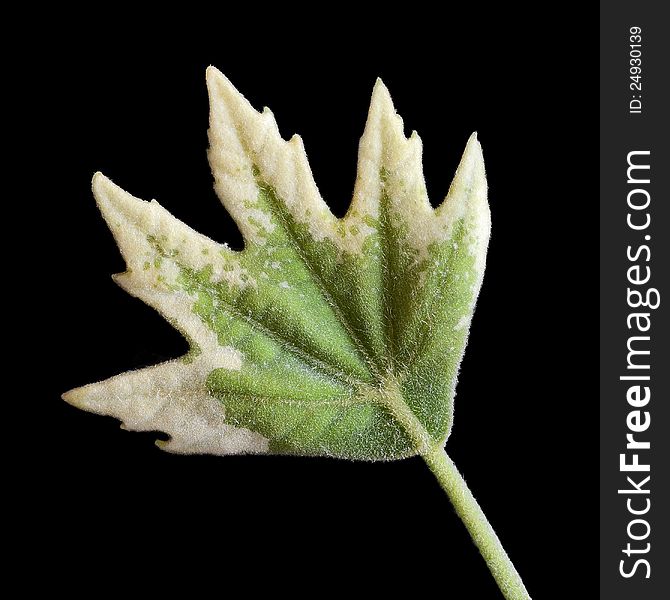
[131, 102]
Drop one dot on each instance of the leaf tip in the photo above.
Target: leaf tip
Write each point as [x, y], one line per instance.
[383, 121]
[104, 191]
[297, 143]
[110, 197]
[99, 182]
[212, 75]
[468, 197]
[473, 158]
[74, 397]
[381, 98]
[219, 88]
[379, 84]
[102, 186]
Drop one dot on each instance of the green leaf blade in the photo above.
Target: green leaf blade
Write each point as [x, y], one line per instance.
[324, 336]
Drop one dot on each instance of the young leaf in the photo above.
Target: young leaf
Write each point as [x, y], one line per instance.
[324, 336]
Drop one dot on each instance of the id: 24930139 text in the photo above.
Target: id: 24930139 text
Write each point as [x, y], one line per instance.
[635, 70]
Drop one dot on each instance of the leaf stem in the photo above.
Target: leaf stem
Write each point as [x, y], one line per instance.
[480, 529]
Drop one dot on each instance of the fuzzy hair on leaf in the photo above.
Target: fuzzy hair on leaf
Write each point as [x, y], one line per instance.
[323, 336]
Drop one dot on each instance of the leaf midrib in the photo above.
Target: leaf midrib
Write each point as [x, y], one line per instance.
[324, 368]
[393, 401]
[399, 409]
[388, 285]
[390, 400]
[422, 339]
[317, 279]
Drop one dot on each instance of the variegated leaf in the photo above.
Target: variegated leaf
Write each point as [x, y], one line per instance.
[324, 336]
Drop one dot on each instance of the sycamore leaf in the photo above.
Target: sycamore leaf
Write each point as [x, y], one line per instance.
[324, 336]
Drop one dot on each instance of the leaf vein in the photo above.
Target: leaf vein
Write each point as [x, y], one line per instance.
[317, 279]
[308, 359]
